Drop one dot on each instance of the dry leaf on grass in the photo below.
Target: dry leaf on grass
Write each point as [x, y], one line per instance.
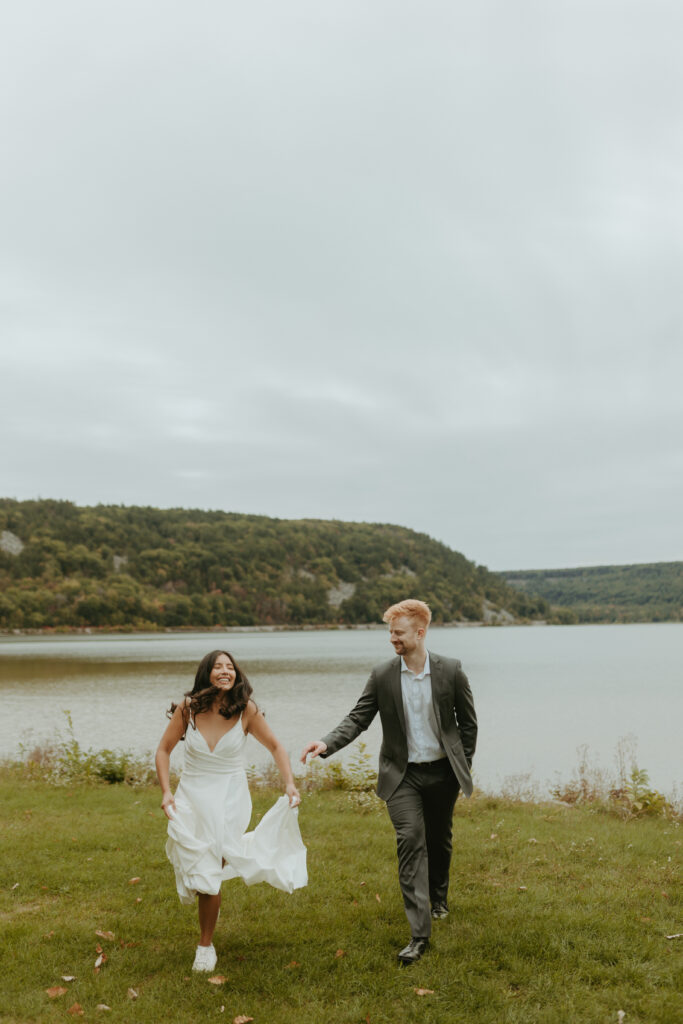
[139, 899]
[377, 897]
[106, 935]
[102, 1006]
[218, 979]
[134, 881]
[292, 963]
[424, 991]
[15, 886]
[522, 888]
[68, 977]
[55, 991]
[242, 1019]
[678, 935]
[76, 1010]
[132, 994]
[102, 958]
[340, 952]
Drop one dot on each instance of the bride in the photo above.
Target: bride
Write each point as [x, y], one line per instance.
[210, 811]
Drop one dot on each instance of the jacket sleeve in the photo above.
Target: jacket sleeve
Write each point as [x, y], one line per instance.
[465, 715]
[356, 721]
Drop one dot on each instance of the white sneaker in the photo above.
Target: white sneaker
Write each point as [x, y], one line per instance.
[205, 959]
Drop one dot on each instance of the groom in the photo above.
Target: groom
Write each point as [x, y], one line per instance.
[429, 732]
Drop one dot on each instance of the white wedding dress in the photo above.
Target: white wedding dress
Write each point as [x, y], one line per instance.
[213, 809]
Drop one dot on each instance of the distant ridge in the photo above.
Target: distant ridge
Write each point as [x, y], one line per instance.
[112, 566]
[650, 592]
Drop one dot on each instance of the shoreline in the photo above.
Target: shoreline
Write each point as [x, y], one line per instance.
[328, 627]
[307, 628]
[88, 767]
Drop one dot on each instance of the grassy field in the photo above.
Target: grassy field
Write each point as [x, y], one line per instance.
[558, 914]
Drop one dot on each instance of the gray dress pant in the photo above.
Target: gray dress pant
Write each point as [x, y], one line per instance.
[421, 811]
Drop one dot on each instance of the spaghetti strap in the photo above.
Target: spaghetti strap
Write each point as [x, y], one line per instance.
[188, 717]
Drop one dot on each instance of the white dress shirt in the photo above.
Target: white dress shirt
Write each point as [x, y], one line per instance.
[421, 729]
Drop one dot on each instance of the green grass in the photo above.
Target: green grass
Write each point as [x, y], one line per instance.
[584, 937]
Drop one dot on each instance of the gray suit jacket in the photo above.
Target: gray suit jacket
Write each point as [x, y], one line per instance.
[453, 711]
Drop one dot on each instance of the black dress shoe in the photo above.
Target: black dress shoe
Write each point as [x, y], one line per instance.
[439, 910]
[413, 951]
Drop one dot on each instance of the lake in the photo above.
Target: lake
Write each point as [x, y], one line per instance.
[540, 692]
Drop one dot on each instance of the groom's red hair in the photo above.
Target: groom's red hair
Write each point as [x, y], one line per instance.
[416, 610]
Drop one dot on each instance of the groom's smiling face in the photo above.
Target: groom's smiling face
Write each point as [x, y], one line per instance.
[405, 634]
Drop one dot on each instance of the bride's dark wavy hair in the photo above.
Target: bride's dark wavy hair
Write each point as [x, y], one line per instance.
[204, 694]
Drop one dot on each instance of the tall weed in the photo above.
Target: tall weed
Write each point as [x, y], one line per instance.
[629, 795]
[63, 762]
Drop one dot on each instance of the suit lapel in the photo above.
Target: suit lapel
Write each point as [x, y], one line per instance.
[395, 686]
[436, 675]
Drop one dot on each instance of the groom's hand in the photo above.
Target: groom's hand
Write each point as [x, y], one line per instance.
[314, 748]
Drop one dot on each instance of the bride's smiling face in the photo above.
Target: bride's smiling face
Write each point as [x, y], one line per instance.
[223, 673]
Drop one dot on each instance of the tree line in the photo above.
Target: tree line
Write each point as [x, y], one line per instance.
[115, 566]
[610, 593]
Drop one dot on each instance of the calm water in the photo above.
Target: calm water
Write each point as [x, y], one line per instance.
[540, 692]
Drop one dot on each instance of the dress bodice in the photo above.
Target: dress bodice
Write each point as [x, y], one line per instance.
[226, 757]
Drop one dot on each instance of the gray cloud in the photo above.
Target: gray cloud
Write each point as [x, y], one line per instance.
[387, 262]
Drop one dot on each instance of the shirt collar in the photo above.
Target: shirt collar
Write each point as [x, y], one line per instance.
[419, 675]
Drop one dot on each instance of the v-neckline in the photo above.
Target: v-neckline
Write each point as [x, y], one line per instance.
[221, 737]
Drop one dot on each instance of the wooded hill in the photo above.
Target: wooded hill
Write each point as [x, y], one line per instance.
[608, 593]
[113, 566]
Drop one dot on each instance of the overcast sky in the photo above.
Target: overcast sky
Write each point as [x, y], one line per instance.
[418, 263]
